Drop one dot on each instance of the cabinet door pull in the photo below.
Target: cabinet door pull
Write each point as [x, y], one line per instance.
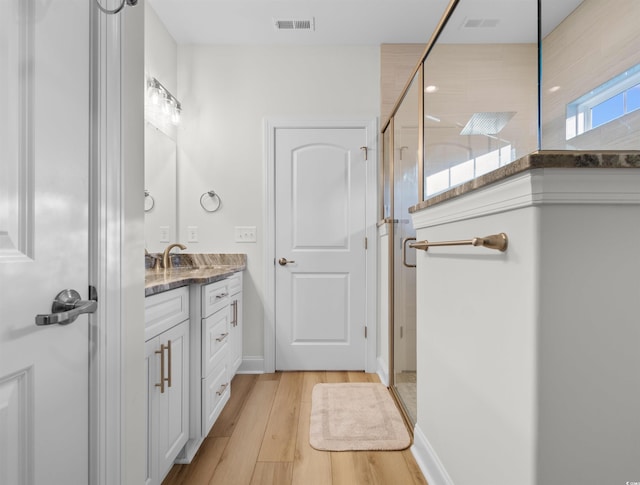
[234, 320]
[222, 389]
[222, 337]
[170, 364]
[162, 378]
[220, 296]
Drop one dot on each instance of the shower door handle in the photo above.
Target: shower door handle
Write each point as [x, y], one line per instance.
[404, 252]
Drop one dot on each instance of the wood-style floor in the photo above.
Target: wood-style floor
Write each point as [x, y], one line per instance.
[262, 438]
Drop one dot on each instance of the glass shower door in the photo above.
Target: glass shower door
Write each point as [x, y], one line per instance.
[405, 194]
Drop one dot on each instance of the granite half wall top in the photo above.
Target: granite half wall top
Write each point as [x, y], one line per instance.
[536, 160]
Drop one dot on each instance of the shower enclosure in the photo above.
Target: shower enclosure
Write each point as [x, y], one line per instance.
[406, 154]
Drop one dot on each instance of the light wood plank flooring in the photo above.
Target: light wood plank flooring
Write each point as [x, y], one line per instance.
[262, 438]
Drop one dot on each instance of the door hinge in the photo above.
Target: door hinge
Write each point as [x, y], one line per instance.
[365, 331]
[366, 243]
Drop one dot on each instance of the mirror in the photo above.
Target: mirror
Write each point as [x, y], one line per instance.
[160, 218]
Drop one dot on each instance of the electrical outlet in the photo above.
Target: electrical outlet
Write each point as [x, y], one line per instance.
[164, 234]
[245, 234]
[192, 234]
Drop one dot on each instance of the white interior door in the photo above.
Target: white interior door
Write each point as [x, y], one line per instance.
[44, 161]
[320, 294]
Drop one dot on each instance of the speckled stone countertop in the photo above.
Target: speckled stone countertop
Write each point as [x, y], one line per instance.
[540, 159]
[191, 269]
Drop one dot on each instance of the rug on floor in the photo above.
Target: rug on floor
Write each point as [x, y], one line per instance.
[355, 416]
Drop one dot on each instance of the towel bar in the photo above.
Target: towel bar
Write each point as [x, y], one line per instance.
[495, 241]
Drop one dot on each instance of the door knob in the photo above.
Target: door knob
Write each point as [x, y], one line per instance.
[284, 261]
[66, 307]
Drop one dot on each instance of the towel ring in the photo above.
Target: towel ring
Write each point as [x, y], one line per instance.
[149, 201]
[215, 205]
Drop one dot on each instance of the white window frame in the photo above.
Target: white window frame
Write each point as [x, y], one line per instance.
[579, 111]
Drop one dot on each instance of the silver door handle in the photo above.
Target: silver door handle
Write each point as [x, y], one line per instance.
[66, 307]
[284, 261]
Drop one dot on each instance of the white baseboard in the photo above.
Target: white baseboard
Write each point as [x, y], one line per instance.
[382, 371]
[428, 461]
[252, 365]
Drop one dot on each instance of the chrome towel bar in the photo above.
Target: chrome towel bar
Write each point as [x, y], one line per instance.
[495, 241]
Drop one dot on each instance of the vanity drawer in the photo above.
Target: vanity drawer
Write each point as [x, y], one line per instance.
[215, 393]
[164, 310]
[214, 297]
[215, 340]
[235, 283]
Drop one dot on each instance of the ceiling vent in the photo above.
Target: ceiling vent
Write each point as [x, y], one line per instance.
[297, 24]
[480, 23]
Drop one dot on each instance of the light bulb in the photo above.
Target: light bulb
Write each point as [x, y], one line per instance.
[167, 105]
[154, 94]
[176, 114]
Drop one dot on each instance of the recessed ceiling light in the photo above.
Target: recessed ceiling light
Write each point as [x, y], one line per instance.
[554, 89]
[431, 89]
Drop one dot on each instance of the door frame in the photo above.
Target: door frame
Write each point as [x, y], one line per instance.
[116, 244]
[271, 124]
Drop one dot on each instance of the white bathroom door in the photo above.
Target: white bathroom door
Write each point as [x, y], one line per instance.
[320, 293]
[44, 164]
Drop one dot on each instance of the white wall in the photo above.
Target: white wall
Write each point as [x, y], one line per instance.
[226, 92]
[477, 320]
[527, 369]
[160, 51]
[161, 62]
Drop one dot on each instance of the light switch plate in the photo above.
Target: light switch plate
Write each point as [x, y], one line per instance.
[164, 234]
[245, 234]
[192, 234]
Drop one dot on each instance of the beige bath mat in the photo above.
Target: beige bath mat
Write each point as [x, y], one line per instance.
[355, 416]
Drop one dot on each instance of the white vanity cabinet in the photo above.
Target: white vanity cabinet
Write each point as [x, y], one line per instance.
[204, 325]
[167, 365]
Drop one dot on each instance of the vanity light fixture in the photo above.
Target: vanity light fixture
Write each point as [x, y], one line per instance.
[163, 101]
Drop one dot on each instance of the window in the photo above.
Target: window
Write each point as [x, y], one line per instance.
[607, 102]
[465, 171]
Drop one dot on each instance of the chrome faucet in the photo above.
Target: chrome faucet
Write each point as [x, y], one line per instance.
[166, 260]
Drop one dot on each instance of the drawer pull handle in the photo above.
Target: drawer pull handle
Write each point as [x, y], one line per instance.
[222, 337]
[220, 296]
[223, 387]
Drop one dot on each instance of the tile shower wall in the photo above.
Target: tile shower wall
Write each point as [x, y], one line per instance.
[598, 41]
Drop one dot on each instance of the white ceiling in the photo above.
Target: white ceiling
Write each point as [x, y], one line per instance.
[344, 22]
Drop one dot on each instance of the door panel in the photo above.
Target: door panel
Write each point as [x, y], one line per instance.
[320, 231]
[44, 147]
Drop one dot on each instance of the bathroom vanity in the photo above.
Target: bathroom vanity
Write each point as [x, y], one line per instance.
[193, 343]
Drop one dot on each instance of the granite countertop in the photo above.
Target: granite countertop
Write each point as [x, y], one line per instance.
[540, 159]
[191, 269]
